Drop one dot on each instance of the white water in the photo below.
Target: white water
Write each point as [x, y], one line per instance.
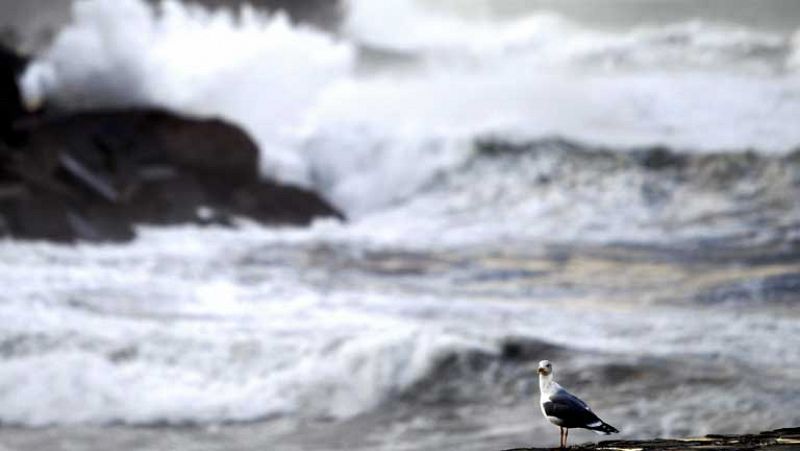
[693, 85]
[254, 69]
[212, 325]
[191, 325]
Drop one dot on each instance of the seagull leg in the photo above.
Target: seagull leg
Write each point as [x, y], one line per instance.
[566, 435]
[561, 438]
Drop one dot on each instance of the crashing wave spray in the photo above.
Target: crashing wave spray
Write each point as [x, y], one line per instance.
[371, 140]
[256, 69]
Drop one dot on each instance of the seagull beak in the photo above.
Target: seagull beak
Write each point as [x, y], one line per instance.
[541, 371]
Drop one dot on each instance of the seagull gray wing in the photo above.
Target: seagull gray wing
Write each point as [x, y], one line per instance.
[566, 396]
[570, 410]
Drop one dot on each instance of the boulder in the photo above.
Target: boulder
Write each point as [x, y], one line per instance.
[94, 175]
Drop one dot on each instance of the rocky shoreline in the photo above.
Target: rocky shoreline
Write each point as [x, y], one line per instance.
[95, 175]
[777, 440]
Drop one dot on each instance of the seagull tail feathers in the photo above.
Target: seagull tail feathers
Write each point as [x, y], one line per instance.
[605, 429]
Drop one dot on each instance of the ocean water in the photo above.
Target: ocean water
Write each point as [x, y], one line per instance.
[615, 190]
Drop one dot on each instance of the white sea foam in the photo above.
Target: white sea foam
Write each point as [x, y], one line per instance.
[145, 333]
[375, 139]
[253, 68]
[794, 58]
[551, 40]
[210, 325]
[193, 324]
[178, 327]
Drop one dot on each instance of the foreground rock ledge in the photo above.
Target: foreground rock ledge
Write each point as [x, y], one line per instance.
[781, 439]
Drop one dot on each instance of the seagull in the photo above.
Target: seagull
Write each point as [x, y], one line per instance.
[564, 409]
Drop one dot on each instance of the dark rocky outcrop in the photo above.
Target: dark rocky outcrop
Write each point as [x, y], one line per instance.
[94, 175]
[778, 440]
[11, 109]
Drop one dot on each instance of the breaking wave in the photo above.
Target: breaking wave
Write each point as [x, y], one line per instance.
[256, 69]
[550, 40]
[432, 131]
[559, 191]
[319, 115]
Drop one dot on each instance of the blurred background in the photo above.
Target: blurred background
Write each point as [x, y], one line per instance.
[311, 225]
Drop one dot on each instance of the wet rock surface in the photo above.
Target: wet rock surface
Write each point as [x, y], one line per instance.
[95, 175]
[781, 439]
[11, 65]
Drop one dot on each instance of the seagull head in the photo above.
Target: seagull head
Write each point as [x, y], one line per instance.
[545, 368]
